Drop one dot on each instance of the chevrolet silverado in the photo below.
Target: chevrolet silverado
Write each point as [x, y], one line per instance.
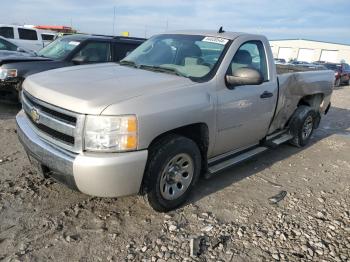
[180, 106]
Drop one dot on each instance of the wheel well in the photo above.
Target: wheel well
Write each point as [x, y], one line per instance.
[314, 101]
[198, 132]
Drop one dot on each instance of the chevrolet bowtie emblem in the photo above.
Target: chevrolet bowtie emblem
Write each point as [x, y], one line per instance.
[34, 114]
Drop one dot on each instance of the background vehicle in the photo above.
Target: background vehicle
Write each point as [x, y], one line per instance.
[306, 66]
[28, 38]
[341, 72]
[299, 63]
[180, 105]
[280, 61]
[65, 51]
[8, 48]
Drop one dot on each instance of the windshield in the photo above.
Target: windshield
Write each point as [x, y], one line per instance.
[190, 56]
[59, 48]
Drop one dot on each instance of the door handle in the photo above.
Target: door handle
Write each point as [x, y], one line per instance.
[266, 94]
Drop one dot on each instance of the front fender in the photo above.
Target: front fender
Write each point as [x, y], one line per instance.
[162, 112]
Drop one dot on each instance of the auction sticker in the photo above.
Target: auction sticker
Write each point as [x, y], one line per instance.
[216, 40]
[74, 43]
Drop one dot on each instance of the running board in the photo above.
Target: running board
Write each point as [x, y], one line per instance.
[235, 160]
[273, 143]
[282, 139]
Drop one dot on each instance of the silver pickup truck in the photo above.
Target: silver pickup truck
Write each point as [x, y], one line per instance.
[181, 105]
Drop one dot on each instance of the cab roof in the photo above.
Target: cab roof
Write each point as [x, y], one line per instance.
[212, 33]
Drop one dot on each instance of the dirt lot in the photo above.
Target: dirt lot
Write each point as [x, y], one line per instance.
[230, 215]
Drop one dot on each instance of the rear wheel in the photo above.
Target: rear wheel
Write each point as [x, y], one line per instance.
[172, 170]
[302, 125]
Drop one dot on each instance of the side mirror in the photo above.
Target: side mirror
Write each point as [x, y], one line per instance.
[245, 76]
[78, 60]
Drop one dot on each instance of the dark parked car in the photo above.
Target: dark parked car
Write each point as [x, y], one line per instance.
[341, 72]
[65, 51]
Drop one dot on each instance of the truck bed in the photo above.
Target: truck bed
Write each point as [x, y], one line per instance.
[288, 68]
[295, 83]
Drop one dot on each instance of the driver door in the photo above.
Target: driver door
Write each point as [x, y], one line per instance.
[244, 112]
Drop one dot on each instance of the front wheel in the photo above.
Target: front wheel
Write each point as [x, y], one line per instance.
[302, 125]
[173, 169]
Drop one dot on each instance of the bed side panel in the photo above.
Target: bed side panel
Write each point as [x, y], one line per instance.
[294, 86]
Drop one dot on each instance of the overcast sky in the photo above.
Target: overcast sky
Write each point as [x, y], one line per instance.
[325, 20]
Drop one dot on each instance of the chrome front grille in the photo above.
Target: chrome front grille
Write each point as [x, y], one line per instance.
[56, 125]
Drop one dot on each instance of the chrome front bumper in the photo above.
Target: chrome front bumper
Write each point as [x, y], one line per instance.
[103, 175]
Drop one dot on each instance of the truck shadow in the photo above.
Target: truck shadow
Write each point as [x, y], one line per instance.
[8, 109]
[336, 122]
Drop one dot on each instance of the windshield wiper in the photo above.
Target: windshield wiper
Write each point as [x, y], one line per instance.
[128, 63]
[162, 69]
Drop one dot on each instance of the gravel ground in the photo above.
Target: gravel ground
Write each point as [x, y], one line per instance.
[230, 217]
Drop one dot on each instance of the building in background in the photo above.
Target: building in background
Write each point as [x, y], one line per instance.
[310, 51]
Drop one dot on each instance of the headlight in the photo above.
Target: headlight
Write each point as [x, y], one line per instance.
[111, 134]
[6, 73]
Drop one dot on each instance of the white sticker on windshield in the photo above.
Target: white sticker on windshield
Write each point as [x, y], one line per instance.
[216, 40]
[74, 43]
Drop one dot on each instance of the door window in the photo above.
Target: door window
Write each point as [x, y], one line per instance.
[122, 50]
[252, 55]
[7, 32]
[47, 37]
[27, 34]
[95, 52]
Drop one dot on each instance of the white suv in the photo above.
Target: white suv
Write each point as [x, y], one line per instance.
[29, 38]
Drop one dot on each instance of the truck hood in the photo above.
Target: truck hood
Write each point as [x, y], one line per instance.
[90, 89]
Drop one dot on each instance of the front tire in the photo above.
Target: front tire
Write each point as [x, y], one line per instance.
[172, 170]
[302, 125]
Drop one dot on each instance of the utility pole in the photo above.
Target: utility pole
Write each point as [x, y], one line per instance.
[114, 17]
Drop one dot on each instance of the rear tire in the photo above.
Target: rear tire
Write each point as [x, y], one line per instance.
[302, 125]
[173, 168]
